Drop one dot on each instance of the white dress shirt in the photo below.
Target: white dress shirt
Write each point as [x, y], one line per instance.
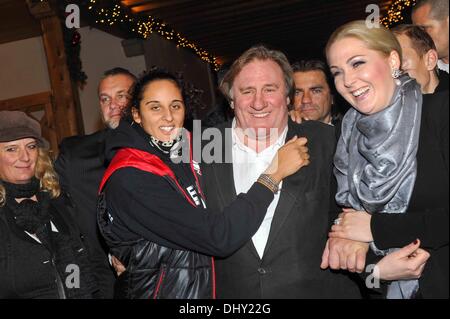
[247, 166]
[442, 65]
[54, 229]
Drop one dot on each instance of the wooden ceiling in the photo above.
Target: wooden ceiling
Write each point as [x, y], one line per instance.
[225, 28]
[16, 22]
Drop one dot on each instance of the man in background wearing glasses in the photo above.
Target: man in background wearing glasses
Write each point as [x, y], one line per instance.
[81, 165]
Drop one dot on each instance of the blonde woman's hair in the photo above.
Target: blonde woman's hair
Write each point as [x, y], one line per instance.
[376, 38]
[46, 175]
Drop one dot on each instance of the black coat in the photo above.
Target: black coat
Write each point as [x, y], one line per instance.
[290, 267]
[26, 270]
[80, 166]
[443, 82]
[163, 240]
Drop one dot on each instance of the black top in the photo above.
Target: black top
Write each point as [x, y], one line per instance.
[428, 210]
[144, 205]
[26, 271]
[443, 82]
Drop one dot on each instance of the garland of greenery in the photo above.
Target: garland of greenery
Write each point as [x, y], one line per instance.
[72, 44]
[109, 13]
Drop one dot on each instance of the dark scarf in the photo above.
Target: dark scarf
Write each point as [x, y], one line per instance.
[29, 215]
[375, 161]
[176, 154]
[34, 217]
[167, 150]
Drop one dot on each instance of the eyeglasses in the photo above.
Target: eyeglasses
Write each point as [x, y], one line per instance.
[121, 98]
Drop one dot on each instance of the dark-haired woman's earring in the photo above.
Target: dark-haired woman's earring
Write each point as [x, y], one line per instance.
[232, 105]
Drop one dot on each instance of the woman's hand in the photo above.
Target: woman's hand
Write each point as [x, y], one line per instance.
[289, 159]
[117, 265]
[353, 225]
[405, 263]
[344, 254]
[297, 116]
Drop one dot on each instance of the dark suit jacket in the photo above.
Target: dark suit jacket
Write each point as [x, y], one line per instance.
[443, 82]
[290, 267]
[80, 165]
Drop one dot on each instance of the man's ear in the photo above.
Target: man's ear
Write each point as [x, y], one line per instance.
[431, 59]
[136, 115]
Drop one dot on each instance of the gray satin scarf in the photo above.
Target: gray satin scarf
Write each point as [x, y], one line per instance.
[375, 162]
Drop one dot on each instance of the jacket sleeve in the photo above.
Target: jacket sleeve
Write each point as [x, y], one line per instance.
[398, 230]
[150, 207]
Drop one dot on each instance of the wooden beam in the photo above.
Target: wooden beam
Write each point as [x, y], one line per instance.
[37, 103]
[67, 117]
[33, 101]
[156, 5]
[16, 22]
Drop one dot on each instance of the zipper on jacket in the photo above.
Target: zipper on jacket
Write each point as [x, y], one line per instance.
[58, 280]
[162, 273]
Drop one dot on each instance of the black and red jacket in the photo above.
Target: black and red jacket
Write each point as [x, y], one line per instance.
[153, 216]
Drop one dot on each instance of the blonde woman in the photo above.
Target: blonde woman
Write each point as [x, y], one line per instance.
[41, 251]
[391, 165]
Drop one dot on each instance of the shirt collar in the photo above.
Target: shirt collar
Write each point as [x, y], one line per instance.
[442, 66]
[237, 142]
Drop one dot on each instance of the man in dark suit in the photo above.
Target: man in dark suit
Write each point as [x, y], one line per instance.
[283, 258]
[81, 165]
[314, 92]
[419, 58]
[432, 15]
[315, 96]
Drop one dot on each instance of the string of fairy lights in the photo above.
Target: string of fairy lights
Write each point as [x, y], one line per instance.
[394, 13]
[145, 26]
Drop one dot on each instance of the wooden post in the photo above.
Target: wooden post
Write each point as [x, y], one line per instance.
[64, 95]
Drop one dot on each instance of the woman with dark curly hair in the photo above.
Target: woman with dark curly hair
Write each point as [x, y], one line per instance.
[42, 254]
[152, 211]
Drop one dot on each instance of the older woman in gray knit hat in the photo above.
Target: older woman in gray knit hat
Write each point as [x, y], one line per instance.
[42, 254]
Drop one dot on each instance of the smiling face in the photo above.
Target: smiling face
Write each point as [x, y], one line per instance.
[260, 99]
[313, 96]
[161, 110]
[18, 160]
[361, 75]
